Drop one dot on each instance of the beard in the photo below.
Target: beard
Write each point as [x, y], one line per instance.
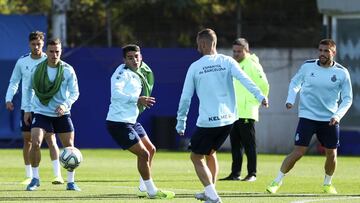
[324, 60]
[36, 53]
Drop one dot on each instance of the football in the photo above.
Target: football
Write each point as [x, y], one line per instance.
[70, 158]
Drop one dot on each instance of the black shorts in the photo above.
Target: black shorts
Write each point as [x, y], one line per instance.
[23, 126]
[62, 124]
[206, 139]
[125, 134]
[327, 135]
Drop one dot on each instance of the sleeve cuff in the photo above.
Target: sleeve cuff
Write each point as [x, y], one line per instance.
[336, 117]
[134, 99]
[180, 126]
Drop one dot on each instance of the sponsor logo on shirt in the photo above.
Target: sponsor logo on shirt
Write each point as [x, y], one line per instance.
[217, 118]
[213, 68]
[333, 78]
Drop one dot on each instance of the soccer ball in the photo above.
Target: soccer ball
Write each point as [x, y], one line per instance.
[70, 158]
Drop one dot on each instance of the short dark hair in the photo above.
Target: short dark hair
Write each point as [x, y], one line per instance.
[328, 42]
[54, 41]
[130, 47]
[36, 35]
[242, 42]
[207, 34]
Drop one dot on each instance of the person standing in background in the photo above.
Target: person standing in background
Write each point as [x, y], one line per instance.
[242, 136]
[22, 72]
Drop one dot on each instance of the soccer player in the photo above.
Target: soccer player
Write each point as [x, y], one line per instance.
[56, 89]
[131, 86]
[242, 136]
[211, 77]
[325, 96]
[22, 71]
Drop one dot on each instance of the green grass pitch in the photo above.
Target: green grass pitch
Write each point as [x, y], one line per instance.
[110, 175]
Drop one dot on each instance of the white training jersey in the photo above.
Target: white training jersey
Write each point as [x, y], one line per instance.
[211, 77]
[66, 96]
[22, 71]
[321, 90]
[125, 91]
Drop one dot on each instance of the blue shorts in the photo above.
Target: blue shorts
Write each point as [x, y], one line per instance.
[23, 126]
[125, 134]
[327, 135]
[206, 139]
[61, 124]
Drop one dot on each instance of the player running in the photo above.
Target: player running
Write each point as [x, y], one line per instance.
[323, 84]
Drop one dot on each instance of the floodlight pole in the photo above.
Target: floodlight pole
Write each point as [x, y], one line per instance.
[59, 8]
[238, 18]
[108, 23]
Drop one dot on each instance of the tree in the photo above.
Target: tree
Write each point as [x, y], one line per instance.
[164, 23]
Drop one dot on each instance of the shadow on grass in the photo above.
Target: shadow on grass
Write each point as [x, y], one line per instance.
[127, 181]
[180, 195]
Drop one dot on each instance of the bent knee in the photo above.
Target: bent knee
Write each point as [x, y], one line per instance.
[144, 155]
[298, 154]
[36, 145]
[27, 142]
[152, 150]
[331, 156]
[196, 158]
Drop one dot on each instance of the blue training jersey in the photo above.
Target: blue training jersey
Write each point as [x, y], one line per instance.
[321, 90]
[125, 91]
[22, 72]
[67, 94]
[211, 77]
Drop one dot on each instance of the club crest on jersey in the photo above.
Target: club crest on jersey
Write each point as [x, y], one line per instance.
[131, 136]
[297, 137]
[333, 78]
[312, 74]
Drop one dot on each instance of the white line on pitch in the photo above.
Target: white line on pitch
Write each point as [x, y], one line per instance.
[325, 199]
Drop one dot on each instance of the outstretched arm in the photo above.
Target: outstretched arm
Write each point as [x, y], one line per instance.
[184, 104]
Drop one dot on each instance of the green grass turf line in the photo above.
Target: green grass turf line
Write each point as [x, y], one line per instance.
[110, 175]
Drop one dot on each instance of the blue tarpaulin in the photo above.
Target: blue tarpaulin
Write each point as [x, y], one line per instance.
[94, 67]
[14, 31]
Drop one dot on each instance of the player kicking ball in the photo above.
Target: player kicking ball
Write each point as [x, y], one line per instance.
[131, 86]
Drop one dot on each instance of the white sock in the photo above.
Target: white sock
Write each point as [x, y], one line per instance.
[56, 168]
[142, 186]
[71, 176]
[327, 180]
[28, 171]
[150, 187]
[210, 191]
[280, 176]
[35, 171]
